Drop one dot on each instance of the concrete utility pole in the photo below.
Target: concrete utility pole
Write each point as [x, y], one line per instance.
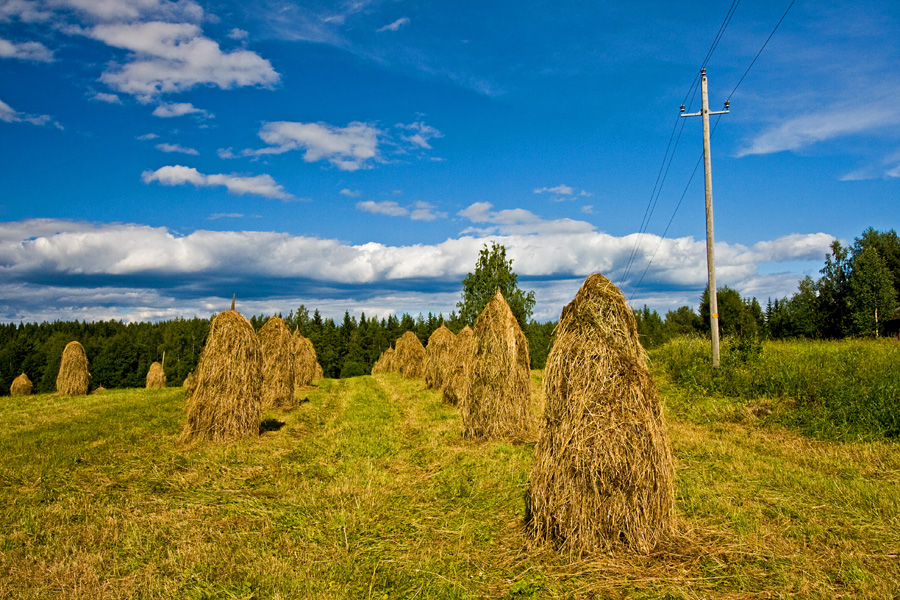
[710, 241]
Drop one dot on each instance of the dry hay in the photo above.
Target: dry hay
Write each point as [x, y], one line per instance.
[496, 402]
[226, 400]
[21, 386]
[437, 357]
[278, 366]
[156, 377]
[460, 363]
[603, 470]
[409, 356]
[73, 378]
[319, 374]
[305, 364]
[385, 362]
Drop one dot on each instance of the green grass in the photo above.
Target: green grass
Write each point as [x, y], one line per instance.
[367, 490]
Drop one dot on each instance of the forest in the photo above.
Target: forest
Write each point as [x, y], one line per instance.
[856, 296]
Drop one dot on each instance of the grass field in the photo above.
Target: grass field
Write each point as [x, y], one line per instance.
[369, 491]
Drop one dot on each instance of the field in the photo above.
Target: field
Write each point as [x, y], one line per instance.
[368, 490]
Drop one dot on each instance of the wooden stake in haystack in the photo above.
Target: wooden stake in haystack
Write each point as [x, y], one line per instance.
[73, 379]
[460, 363]
[156, 377]
[437, 357]
[409, 356]
[603, 471]
[278, 364]
[496, 402]
[304, 361]
[21, 386]
[226, 400]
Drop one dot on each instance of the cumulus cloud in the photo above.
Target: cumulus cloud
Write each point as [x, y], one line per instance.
[516, 221]
[348, 148]
[562, 192]
[388, 207]
[8, 114]
[425, 211]
[34, 51]
[396, 25]
[259, 185]
[176, 148]
[175, 57]
[178, 109]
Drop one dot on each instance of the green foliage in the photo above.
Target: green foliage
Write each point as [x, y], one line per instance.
[540, 340]
[493, 271]
[871, 293]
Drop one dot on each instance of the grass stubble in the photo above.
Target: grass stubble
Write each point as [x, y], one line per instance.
[369, 490]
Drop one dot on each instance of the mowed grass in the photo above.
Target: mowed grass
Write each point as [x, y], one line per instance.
[367, 490]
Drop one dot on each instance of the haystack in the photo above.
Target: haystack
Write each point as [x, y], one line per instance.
[278, 363]
[603, 471]
[385, 362]
[437, 357]
[409, 356]
[73, 378]
[499, 392]
[460, 364]
[226, 401]
[21, 386]
[156, 377]
[319, 372]
[304, 361]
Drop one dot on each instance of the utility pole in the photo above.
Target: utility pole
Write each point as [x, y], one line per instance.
[710, 241]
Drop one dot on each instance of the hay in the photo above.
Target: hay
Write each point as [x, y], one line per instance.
[460, 363]
[156, 377]
[305, 364]
[499, 391]
[409, 356]
[319, 372]
[73, 378]
[226, 401]
[385, 362]
[603, 470]
[21, 386]
[437, 357]
[276, 344]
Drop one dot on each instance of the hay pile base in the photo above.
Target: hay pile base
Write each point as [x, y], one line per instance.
[437, 357]
[460, 363]
[304, 361]
[226, 400]
[409, 356]
[156, 377]
[276, 344]
[73, 379]
[603, 470]
[21, 386]
[499, 392]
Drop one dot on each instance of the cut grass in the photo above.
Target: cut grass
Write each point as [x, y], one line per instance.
[368, 490]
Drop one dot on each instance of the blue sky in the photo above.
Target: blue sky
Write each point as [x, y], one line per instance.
[158, 157]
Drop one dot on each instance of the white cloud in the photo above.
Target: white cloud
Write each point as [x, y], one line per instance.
[259, 185]
[420, 134]
[425, 211]
[348, 148]
[175, 57]
[129, 11]
[178, 109]
[176, 148]
[396, 25]
[147, 136]
[8, 114]
[588, 209]
[350, 193]
[388, 207]
[226, 153]
[560, 190]
[516, 221]
[34, 51]
[238, 34]
[108, 98]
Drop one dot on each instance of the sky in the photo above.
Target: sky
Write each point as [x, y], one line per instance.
[158, 157]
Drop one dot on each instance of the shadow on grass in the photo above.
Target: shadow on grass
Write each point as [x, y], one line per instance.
[270, 424]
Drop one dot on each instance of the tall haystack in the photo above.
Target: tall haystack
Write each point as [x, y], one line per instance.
[460, 365]
[156, 377]
[73, 378]
[21, 386]
[226, 401]
[304, 361]
[437, 357]
[409, 356]
[385, 362]
[499, 392]
[278, 364]
[603, 470]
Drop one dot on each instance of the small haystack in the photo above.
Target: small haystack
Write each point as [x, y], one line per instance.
[21, 386]
[603, 470]
[385, 362]
[277, 364]
[304, 361]
[319, 374]
[437, 357]
[226, 401]
[156, 377]
[409, 356]
[496, 404]
[460, 364]
[73, 379]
